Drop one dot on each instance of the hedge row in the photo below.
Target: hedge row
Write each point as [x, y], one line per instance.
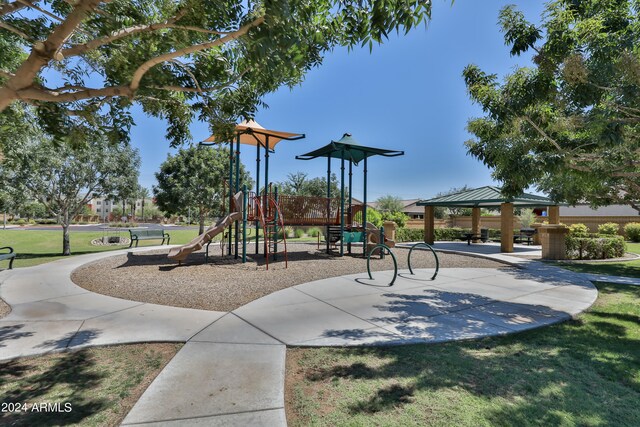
[595, 247]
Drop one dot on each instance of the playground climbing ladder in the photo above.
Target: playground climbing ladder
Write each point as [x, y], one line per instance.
[272, 223]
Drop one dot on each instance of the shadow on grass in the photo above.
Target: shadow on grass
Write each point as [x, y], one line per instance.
[577, 373]
[28, 255]
[628, 269]
[69, 380]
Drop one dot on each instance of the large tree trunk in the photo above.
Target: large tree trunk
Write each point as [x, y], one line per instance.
[142, 210]
[66, 244]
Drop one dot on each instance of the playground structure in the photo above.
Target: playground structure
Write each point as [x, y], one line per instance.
[182, 252]
[344, 222]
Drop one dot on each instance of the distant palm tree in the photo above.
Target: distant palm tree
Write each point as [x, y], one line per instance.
[143, 193]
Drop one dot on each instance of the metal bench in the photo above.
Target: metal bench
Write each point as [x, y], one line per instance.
[147, 234]
[11, 255]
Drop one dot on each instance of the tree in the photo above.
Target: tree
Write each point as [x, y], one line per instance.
[441, 212]
[570, 123]
[298, 184]
[194, 178]
[65, 179]
[176, 59]
[143, 193]
[389, 203]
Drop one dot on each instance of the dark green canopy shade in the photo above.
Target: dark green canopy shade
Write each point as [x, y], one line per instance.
[349, 149]
[487, 197]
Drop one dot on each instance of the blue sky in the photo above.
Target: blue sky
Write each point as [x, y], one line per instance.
[408, 94]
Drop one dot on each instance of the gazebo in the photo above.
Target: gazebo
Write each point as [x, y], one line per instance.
[487, 197]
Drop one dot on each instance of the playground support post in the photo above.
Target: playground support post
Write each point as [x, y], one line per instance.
[342, 202]
[237, 188]
[364, 210]
[265, 200]
[257, 223]
[328, 199]
[230, 191]
[244, 224]
[350, 205]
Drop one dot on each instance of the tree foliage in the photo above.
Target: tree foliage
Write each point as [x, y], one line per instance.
[195, 178]
[389, 203]
[569, 124]
[83, 64]
[65, 179]
[299, 184]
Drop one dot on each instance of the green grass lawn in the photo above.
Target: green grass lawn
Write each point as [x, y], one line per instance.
[627, 269]
[93, 387]
[582, 372]
[36, 247]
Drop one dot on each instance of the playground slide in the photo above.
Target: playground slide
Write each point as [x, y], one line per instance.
[182, 252]
[374, 236]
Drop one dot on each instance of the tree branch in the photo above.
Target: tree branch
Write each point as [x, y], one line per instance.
[142, 70]
[543, 133]
[8, 8]
[15, 31]
[43, 52]
[125, 32]
[39, 9]
[52, 96]
[5, 73]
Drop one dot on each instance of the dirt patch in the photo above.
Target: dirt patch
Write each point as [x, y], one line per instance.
[5, 308]
[225, 284]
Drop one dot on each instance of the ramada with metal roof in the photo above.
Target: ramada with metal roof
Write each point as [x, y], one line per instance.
[486, 197]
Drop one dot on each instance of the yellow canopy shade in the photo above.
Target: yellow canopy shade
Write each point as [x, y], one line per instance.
[251, 133]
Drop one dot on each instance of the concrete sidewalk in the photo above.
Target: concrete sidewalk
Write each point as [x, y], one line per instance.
[231, 369]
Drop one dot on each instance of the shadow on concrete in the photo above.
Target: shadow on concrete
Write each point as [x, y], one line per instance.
[12, 332]
[72, 339]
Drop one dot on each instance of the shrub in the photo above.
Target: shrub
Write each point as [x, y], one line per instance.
[609, 228]
[409, 235]
[449, 233]
[632, 231]
[373, 216]
[46, 221]
[526, 217]
[299, 233]
[578, 230]
[314, 232]
[123, 224]
[595, 247]
[399, 218]
[20, 222]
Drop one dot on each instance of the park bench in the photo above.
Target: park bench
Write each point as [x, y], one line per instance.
[11, 255]
[146, 234]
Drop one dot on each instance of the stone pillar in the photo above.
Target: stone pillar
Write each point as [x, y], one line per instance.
[390, 233]
[429, 217]
[506, 227]
[554, 214]
[553, 241]
[475, 222]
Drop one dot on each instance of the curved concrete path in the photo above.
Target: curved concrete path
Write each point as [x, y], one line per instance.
[231, 369]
